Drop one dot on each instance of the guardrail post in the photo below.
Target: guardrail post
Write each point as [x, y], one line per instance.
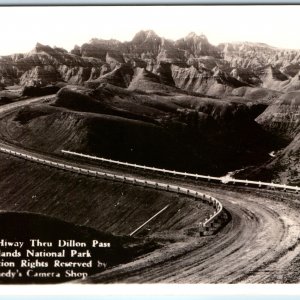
[201, 229]
[214, 204]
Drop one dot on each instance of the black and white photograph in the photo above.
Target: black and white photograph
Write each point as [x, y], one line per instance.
[150, 144]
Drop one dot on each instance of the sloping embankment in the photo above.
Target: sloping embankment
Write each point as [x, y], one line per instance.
[104, 205]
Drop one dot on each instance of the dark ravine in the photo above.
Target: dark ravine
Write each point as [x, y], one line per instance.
[281, 119]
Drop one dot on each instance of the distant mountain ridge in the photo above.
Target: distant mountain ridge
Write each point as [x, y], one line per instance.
[191, 63]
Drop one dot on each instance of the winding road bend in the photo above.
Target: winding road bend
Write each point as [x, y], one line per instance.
[259, 244]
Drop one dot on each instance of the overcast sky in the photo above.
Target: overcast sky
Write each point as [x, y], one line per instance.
[22, 27]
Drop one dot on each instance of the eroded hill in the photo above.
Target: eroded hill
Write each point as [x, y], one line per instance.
[174, 131]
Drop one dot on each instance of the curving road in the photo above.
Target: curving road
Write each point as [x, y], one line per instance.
[259, 245]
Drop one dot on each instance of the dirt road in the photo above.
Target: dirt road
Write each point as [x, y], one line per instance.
[257, 246]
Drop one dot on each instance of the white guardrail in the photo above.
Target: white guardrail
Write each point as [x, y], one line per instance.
[223, 180]
[208, 227]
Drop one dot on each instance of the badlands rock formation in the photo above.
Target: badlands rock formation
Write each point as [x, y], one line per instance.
[190, 63]
[255, 74]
